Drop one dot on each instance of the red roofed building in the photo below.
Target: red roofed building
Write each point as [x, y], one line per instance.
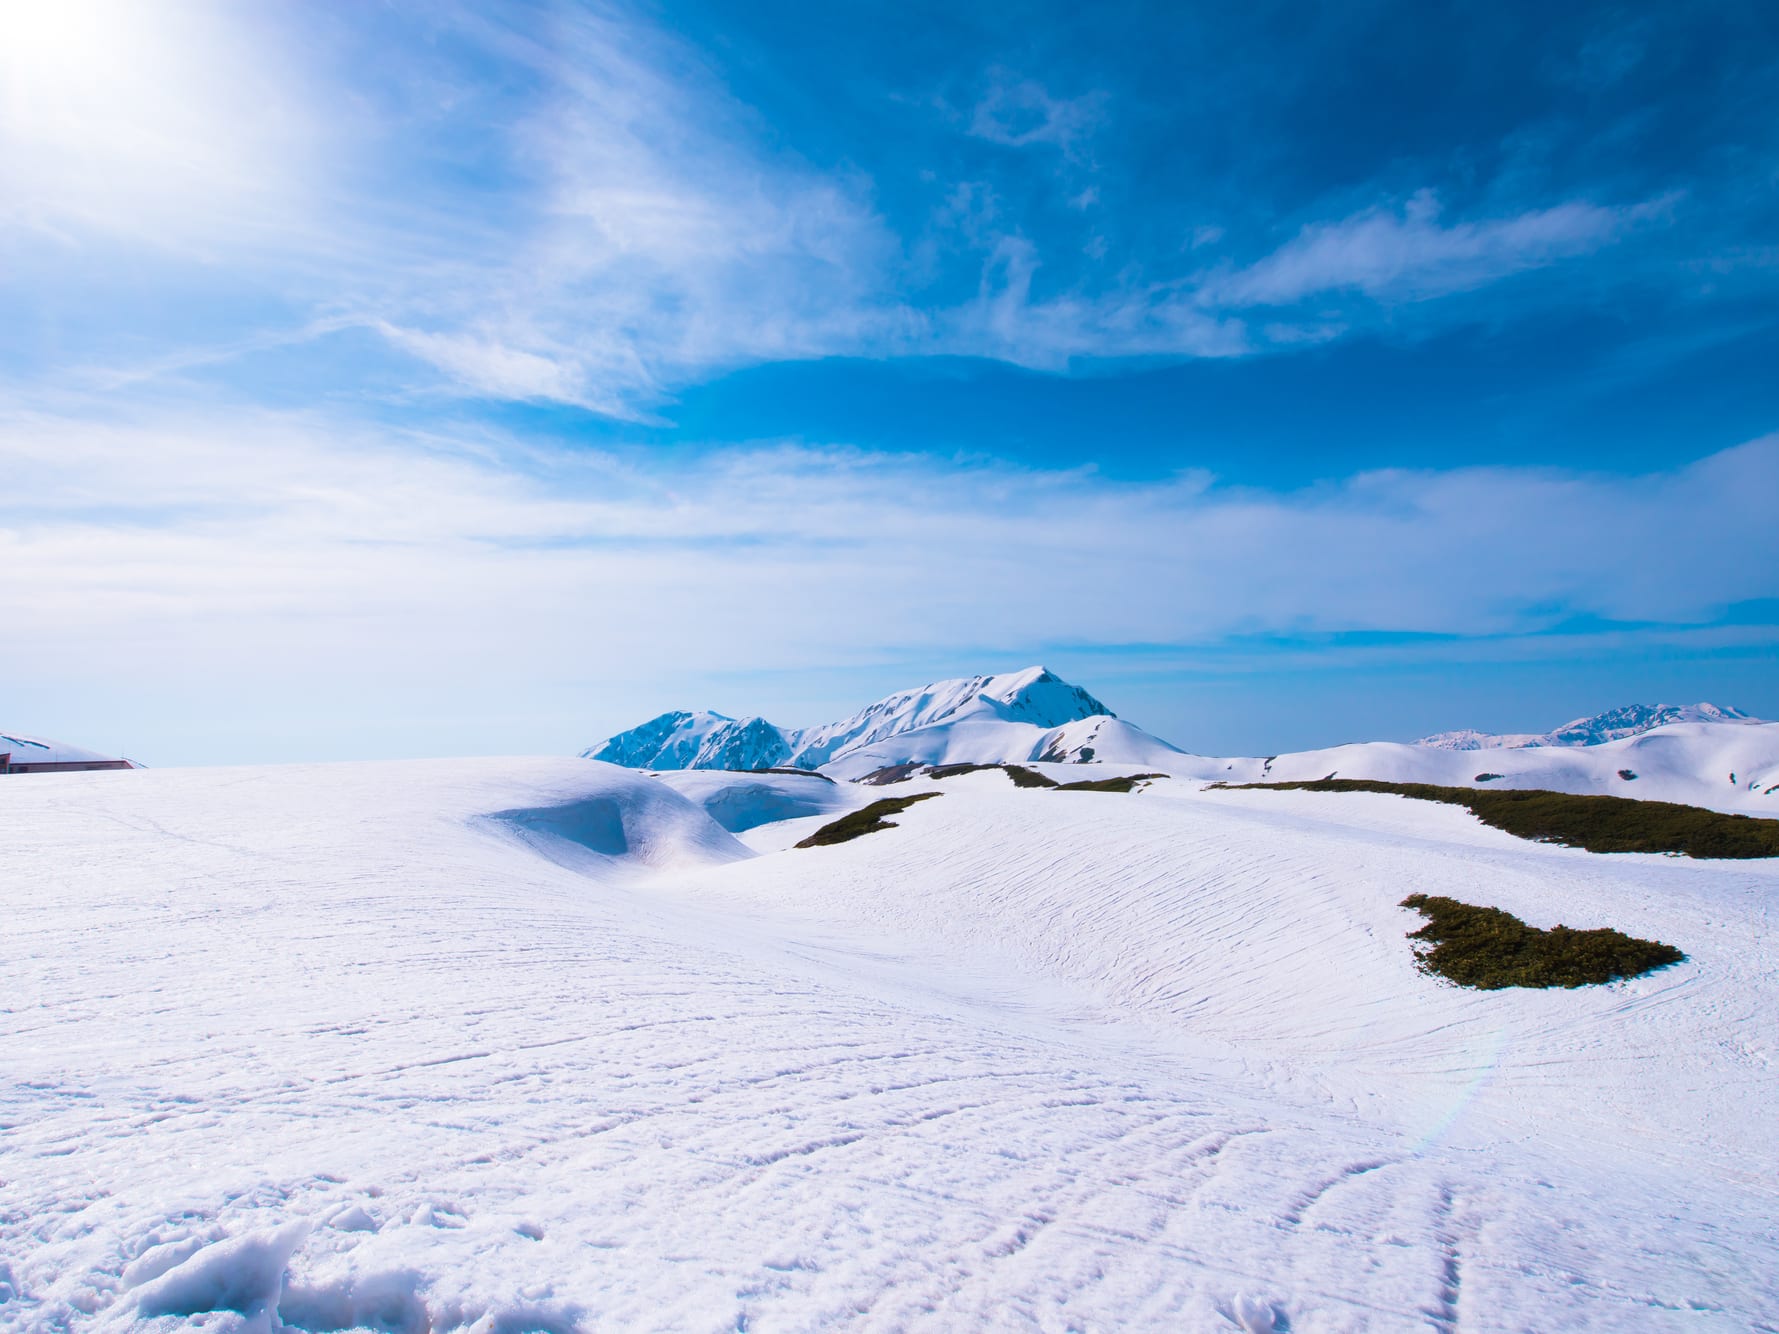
[34, 755]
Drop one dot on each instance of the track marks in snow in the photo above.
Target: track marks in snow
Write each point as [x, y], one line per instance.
[1445, 1308]
[1299, 1208]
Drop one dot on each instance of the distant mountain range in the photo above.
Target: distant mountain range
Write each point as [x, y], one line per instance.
[1032, 715]
[1613, 725]
[1697, 753]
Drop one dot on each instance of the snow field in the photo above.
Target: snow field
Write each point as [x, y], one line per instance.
[341, 1046]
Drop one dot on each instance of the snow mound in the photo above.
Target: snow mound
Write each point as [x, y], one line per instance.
[621, 819]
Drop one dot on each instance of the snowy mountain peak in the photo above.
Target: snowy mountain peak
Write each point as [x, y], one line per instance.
[1613, 725]
[1033, 700]
[1038, 695]
[701, 740]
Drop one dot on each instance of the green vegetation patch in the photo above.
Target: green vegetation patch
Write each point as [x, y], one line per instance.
[1125, 784]
[1489, 949]
[891, 773]
[1598, 824]
[865, 820]
[953, 770]
[1021, 776]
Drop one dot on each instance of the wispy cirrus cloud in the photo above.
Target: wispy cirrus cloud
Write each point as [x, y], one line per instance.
[1409, 254]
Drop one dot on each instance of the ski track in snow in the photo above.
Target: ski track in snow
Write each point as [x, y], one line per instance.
[324, 1046]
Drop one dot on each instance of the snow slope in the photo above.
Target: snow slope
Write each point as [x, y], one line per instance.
[335, 1047]
[1015, 716]
[1613, 725]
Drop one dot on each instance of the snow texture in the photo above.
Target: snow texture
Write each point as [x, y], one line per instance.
[393, 1047]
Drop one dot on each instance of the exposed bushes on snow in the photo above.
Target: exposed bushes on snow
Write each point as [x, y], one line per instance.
[1598, 824]
[1489, 949]
[865, 820]
[1125, 784]
[1021, 776]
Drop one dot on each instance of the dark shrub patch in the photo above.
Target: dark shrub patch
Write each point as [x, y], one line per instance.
[1598, 824]
[1107, 784]
[891, 773]
[776, 769]
[1488, 949]
[1629, 775]
[1485, 778]
[901, 773]
[1021, 776]
[953, 770]
[866, 820]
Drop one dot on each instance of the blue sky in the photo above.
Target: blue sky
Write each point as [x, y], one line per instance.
[433, 379]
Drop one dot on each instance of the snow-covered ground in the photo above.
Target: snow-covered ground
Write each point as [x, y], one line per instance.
[539, 1044]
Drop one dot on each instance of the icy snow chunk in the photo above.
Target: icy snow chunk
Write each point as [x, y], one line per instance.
[243, 1274]
[157, 1260]
[352, 1218]
[387, 1301]
[1255, 1315]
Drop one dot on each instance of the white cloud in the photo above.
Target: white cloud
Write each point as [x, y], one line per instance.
[1005, 321]
[484, 365]
[655, 241]
[300, 554]
[1409, 255]
[1020, 112]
